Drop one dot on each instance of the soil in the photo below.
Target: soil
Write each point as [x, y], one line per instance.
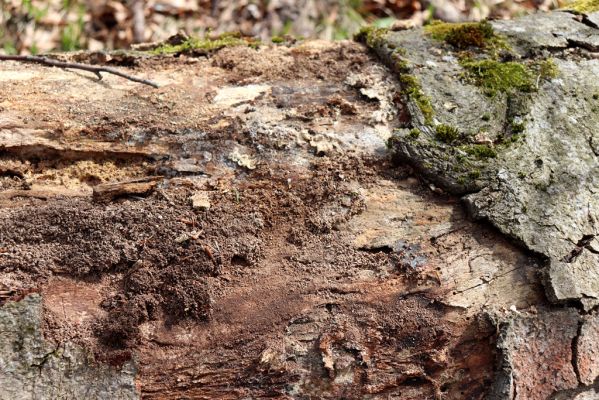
[326, 271]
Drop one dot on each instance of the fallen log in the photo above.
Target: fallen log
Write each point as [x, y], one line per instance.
[296, 249]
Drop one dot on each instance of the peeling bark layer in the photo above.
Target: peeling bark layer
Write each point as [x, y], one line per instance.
[541, 186]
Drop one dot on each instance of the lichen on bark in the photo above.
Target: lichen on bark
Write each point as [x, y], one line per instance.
[33, 368]
[537, 176]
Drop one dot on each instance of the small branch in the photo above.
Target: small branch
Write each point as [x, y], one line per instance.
[85, 67]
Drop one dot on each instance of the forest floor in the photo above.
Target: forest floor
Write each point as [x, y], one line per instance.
[37, 26]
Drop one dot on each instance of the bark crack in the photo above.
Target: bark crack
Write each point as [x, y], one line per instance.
[583, 19]
[486, 282]
[575, 352]
[586, 21]
[583, 243]
[594, 147]
[45, 359]
[571, 393]
[575, 43]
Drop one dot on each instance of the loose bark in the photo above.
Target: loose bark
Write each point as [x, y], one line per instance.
[110, 191]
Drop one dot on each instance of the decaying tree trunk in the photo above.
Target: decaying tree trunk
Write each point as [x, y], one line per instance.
[295, 222]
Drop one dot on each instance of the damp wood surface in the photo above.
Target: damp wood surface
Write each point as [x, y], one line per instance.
[245, 231]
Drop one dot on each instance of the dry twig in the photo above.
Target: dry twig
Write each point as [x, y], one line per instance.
[85, 67]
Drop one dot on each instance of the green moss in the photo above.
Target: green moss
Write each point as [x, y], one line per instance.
[398, 51]
[494, 76]
[547, 69]
[474, 174]
[513, 138]
[411, 87]
[518, 127]
[205, 45]
[371, 36]
[469, 176]
[464, 35]
[446, 133]
[486, 117]
[374, 37]
[480, 151]
[277, 39]
[400, 65]
[391, 142]
[506, 77]
[414, 133]
[583, 6]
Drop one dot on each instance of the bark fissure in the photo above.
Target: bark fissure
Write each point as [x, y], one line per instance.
[575, 351]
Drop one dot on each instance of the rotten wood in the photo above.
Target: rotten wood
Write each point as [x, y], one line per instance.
[328, 271]
[136, 187]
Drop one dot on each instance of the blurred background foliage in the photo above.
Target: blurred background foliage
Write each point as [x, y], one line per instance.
[33, 26]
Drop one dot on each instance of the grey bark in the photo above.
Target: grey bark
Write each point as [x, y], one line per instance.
[32, 368]
[543, 190]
